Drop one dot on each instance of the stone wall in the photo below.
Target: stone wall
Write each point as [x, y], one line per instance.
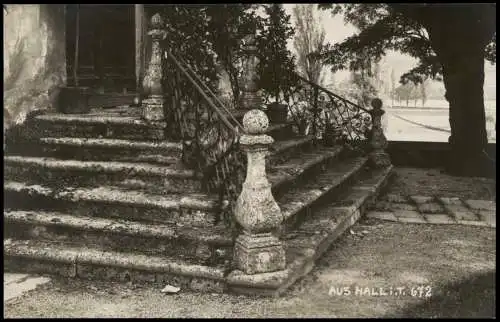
[426, 154]
[34, 58]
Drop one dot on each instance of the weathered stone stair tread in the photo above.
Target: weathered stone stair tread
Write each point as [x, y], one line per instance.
[282, 145]
[109, 194]
[303, 245]
[122, 110]
[97, 119]
[213, 235]
[296, 199]
[327, 218]
[53, 252]
[105, 115]
[112, 143]
[307, 243]
[287, 171]
[277, 147]
[115, 117]
[100, 166]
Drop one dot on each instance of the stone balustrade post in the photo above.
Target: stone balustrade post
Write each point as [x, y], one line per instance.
[257, 249]
[250, 97]
[378, 156]
[152, 106]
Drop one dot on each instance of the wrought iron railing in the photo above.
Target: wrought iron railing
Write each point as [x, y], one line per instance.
[319, 112]
[209, 132]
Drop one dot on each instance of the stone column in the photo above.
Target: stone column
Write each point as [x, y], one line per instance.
[152, 106]
[139, 50]
[378, 156]
[257, 249]
[250, 97]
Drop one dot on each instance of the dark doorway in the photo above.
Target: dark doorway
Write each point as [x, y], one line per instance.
[106, 61]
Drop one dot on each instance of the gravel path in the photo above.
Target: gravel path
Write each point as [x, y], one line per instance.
[375, 255]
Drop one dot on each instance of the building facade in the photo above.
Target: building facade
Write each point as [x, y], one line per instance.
[40, 50]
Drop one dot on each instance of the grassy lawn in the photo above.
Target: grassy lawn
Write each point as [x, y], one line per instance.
[456, 262]
[396, 129]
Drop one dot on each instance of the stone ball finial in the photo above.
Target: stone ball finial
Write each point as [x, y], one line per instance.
[377, 103]
[156, 21]
[255, 122]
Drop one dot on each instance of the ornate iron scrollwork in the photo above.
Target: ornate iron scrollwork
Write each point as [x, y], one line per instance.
[210, 141]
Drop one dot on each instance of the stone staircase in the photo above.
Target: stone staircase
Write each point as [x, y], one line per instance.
[105, 196]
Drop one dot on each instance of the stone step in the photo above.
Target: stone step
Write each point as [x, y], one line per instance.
[33, 256]
[305, 244]
[88, 149]
[119, 123]
[301, 200]
[98, 125]
[303, 165]
[198, 210]
[207, 245]
[159, 152]
[50, 171]
[100, 230]
[293, 156]
[282, 150]
[69, 175]
[98, 100]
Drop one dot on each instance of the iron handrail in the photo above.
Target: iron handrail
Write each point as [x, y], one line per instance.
[190, 69]
[329, 92]
[221, 116]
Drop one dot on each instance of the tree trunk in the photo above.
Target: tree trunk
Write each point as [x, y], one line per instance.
[459, 34]
[464, 91]
[463, 71]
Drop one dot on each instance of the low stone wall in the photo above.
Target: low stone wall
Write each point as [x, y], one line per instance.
[424, 154]
[34, 58]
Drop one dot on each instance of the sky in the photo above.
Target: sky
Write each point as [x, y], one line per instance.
[336, 31]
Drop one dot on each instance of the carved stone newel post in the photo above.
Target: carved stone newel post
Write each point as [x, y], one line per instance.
[257, 249]
[379, 157]
[250, 97]
[152, 106]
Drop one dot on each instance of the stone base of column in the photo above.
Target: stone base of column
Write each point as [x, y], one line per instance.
[380, 159]
[259, 253]
[152, 108]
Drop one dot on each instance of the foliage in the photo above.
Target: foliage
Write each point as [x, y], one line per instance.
[362, 89]
[393, 85]
[423, 91]
[227, 25]
[309, 38]
[276, 61]
[187, 28]
[406, 92]
[381, 28]
[491, 50]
